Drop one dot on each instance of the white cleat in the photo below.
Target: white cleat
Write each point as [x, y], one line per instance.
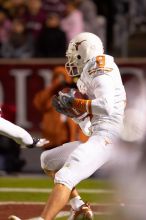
[13, 217]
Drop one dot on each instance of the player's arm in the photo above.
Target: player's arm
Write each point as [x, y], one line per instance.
[104, 92]
[80, 117]
[62, 106]
[15, 132]
[103, 89]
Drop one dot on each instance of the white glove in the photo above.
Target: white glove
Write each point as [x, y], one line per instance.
[42, 142]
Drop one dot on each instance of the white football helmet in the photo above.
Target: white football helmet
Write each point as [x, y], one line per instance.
[81, 49]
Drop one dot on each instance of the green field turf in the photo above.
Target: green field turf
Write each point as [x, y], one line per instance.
[45, 183]
[42, 182]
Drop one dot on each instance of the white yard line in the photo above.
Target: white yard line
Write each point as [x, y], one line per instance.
[36, 190]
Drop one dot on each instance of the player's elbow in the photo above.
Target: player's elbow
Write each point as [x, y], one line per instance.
[108, 107]
[103, 111]
[108, 110]
[103, 107]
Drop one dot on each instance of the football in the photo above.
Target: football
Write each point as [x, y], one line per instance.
[76, 94]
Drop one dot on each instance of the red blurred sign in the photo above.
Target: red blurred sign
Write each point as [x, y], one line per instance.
[19, 82]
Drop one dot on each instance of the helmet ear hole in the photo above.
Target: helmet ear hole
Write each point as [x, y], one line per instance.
[79, 57]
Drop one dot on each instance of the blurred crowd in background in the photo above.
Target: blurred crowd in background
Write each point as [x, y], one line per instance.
[43, 28]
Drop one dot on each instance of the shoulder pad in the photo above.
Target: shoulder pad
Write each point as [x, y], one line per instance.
[103, 65]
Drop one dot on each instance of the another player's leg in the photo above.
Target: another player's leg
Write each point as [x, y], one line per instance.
[15, 132]
[20, 135]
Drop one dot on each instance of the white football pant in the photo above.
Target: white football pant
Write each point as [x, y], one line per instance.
[77, 161]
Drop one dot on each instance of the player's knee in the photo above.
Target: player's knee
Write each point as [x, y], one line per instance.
[48, 162]
[43, 159]
[64, 177]
[50, 173]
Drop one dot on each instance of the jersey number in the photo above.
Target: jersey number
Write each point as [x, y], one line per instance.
[100, 60]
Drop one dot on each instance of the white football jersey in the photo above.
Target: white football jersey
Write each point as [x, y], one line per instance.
[101, 81]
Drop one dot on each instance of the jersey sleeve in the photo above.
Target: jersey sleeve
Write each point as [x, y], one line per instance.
[103, 87]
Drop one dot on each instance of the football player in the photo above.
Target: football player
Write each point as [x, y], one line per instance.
[101, 119]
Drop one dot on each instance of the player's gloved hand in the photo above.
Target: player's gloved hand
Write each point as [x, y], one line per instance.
[77, 104]
[57, 104]
[61, 108]
[38, 142]
[66, 99]
[41, 142]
